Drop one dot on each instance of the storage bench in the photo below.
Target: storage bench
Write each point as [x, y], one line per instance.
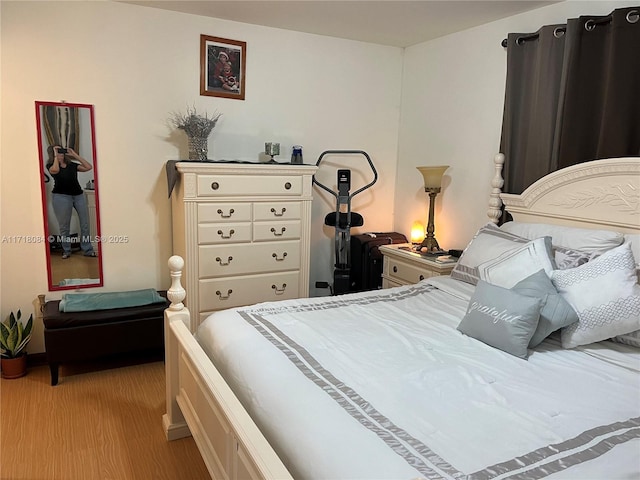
[77, 336]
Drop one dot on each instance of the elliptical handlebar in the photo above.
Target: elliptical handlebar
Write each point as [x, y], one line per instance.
[343, 218]
[346, 152]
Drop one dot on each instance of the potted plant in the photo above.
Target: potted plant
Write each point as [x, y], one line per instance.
[14, 338]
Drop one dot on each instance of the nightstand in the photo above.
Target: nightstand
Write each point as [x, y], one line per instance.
[401, 266]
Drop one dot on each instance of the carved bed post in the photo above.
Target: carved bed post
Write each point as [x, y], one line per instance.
[495, 203]
[173, 421]
[176, 292]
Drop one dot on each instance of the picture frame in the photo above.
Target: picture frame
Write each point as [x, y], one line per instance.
[222, 67]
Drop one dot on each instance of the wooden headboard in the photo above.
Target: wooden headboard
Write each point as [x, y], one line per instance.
[601, 194]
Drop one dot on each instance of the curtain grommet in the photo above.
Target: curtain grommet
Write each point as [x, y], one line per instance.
[558, 32]
[589, 25]
[633, 16]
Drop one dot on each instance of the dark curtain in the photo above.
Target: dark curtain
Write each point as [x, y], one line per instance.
[62, 127]
[534, 73]
[572, 95]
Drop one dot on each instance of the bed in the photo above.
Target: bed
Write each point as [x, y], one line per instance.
[462, 376]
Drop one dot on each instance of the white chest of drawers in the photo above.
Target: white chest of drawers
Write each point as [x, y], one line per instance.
[244, 233]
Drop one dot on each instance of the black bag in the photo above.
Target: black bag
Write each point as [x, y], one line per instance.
[366, 259]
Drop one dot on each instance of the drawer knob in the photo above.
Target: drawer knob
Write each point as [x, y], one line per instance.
[215, 186]
[421, 277]
[275, 255]
[222, 235]
[276, 214]
[276, 234]
[219, 260]
[279, 291]
[287, 186]
[395, 269]
[220, 212]
[224, 297]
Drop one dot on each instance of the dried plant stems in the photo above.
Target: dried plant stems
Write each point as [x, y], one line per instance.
[195, 124]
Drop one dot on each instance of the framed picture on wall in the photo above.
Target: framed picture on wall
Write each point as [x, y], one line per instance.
[222, 67]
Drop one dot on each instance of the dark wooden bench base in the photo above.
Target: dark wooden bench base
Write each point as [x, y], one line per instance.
[81, 336]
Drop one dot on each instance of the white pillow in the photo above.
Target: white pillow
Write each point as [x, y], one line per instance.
[488, 243]
[605, 295]
[515, 265]
[584, 239]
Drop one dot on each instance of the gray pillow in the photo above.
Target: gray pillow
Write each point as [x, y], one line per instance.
[556, 311]
[501, 318]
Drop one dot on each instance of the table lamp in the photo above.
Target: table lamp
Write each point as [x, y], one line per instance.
[432, 185]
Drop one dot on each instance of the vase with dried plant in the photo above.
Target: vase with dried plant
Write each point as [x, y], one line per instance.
[198, 127]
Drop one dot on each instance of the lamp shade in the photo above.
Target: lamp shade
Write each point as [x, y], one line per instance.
[432, 176]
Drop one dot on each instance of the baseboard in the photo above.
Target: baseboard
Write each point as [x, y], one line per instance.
[36, 359]
[175, 431]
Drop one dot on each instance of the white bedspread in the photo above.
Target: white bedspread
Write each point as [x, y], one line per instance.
[381, 385]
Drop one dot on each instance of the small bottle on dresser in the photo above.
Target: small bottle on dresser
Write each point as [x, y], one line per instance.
[296, 156]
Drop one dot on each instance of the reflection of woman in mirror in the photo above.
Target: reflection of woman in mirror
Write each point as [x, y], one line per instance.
[67, 194]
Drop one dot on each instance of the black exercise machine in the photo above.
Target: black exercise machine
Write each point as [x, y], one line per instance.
[343, 218]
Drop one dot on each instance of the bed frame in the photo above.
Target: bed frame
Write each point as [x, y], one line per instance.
[603, 194]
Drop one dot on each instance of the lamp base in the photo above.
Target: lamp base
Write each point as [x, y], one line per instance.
[429, 247]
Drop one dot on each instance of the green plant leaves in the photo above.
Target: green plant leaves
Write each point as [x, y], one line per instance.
[14, 335]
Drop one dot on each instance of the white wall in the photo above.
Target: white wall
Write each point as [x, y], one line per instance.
[452, 101]
[136, 65]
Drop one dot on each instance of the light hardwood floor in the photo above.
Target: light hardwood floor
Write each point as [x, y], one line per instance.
[100, 424]
[76, 266]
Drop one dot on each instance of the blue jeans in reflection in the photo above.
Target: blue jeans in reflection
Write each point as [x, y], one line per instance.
[63, 206]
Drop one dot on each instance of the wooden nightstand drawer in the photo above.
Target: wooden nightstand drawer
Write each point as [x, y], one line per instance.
[388, 283]
[401, 266]
[404, 272]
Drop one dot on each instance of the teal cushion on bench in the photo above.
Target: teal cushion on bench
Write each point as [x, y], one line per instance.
[84, 302]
